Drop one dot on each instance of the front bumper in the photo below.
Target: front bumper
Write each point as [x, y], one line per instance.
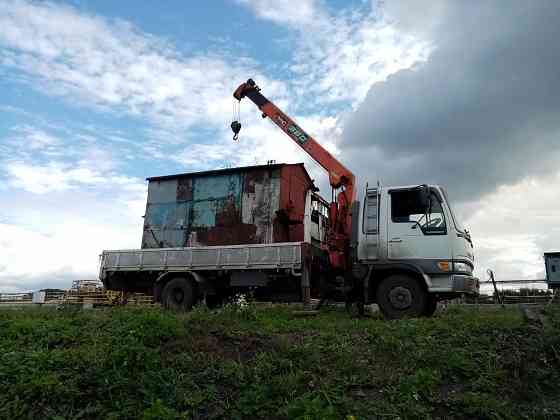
[454, 283]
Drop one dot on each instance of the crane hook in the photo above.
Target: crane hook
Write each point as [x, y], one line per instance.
[236, 128]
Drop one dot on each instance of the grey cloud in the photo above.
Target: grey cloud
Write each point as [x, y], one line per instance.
[483, 111]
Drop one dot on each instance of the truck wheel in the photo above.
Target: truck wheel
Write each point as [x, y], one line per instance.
[431, 306]
[401, 296]
[179, 294]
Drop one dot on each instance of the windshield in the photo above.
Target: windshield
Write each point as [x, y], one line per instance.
[433, 220]
[408, 206]
[456, 221]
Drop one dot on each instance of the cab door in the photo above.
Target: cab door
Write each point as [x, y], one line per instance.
[416, 229]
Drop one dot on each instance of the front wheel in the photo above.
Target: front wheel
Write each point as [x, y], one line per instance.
[179, 294]
[401, 296]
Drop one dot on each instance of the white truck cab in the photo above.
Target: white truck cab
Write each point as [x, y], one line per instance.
[410, 234]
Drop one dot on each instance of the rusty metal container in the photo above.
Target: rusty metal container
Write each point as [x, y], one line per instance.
[248, 205]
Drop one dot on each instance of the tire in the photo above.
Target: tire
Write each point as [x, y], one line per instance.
[431, 306]
[401, 296]
[179, 294]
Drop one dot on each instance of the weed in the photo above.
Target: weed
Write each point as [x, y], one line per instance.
[245, 361]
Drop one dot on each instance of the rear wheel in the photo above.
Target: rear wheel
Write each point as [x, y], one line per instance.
[179, 294]
[401, 296]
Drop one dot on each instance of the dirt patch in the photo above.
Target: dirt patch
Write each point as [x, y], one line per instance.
[290, 339]
[449, 391]
[365, 391]
[241, 348]
[62, 343]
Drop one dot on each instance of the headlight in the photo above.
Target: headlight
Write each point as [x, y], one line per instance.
[462, 267]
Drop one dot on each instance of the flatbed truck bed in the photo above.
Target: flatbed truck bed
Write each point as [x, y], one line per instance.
[286, 255]
[212, 269]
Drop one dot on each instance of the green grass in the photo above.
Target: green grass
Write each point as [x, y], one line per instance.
[265, 363]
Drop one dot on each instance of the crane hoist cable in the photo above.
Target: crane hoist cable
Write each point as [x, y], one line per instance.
[236, 119]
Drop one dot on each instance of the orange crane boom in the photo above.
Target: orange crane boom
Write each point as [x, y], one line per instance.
[339, 176]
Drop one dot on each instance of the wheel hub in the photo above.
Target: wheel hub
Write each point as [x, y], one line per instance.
[400, 297]
[178, 295]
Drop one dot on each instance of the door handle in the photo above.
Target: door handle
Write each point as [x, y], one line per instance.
[395, 240]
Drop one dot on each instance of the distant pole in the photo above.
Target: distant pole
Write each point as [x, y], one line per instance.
[491, 275]
[555, 294]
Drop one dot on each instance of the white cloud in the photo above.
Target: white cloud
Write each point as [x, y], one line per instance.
[14, 110]
[40, 162]
[91, 166]
[301, 12]
[38, 139]
[61, 215]
[339, 55]
[514, 226]
[112, 65]
[25, 140]
[48, 240]
[51, 177]
[346, 58]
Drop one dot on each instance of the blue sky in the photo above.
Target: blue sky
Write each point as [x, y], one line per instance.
[98, 95]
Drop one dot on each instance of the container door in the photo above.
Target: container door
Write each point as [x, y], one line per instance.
[297, 199]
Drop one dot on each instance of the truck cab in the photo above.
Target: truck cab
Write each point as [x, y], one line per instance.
[410, 235]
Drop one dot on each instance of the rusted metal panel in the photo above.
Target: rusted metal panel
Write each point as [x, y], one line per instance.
[184, 189]
[162, 192]
[169, 215]
[250, 205]
[164, 224]
[217, 187]
[260, 201]
[294, 187]
[204, 214]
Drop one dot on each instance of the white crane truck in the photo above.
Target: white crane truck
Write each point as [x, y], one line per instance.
[402, 248]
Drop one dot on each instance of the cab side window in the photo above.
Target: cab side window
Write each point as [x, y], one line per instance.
[407, 207]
